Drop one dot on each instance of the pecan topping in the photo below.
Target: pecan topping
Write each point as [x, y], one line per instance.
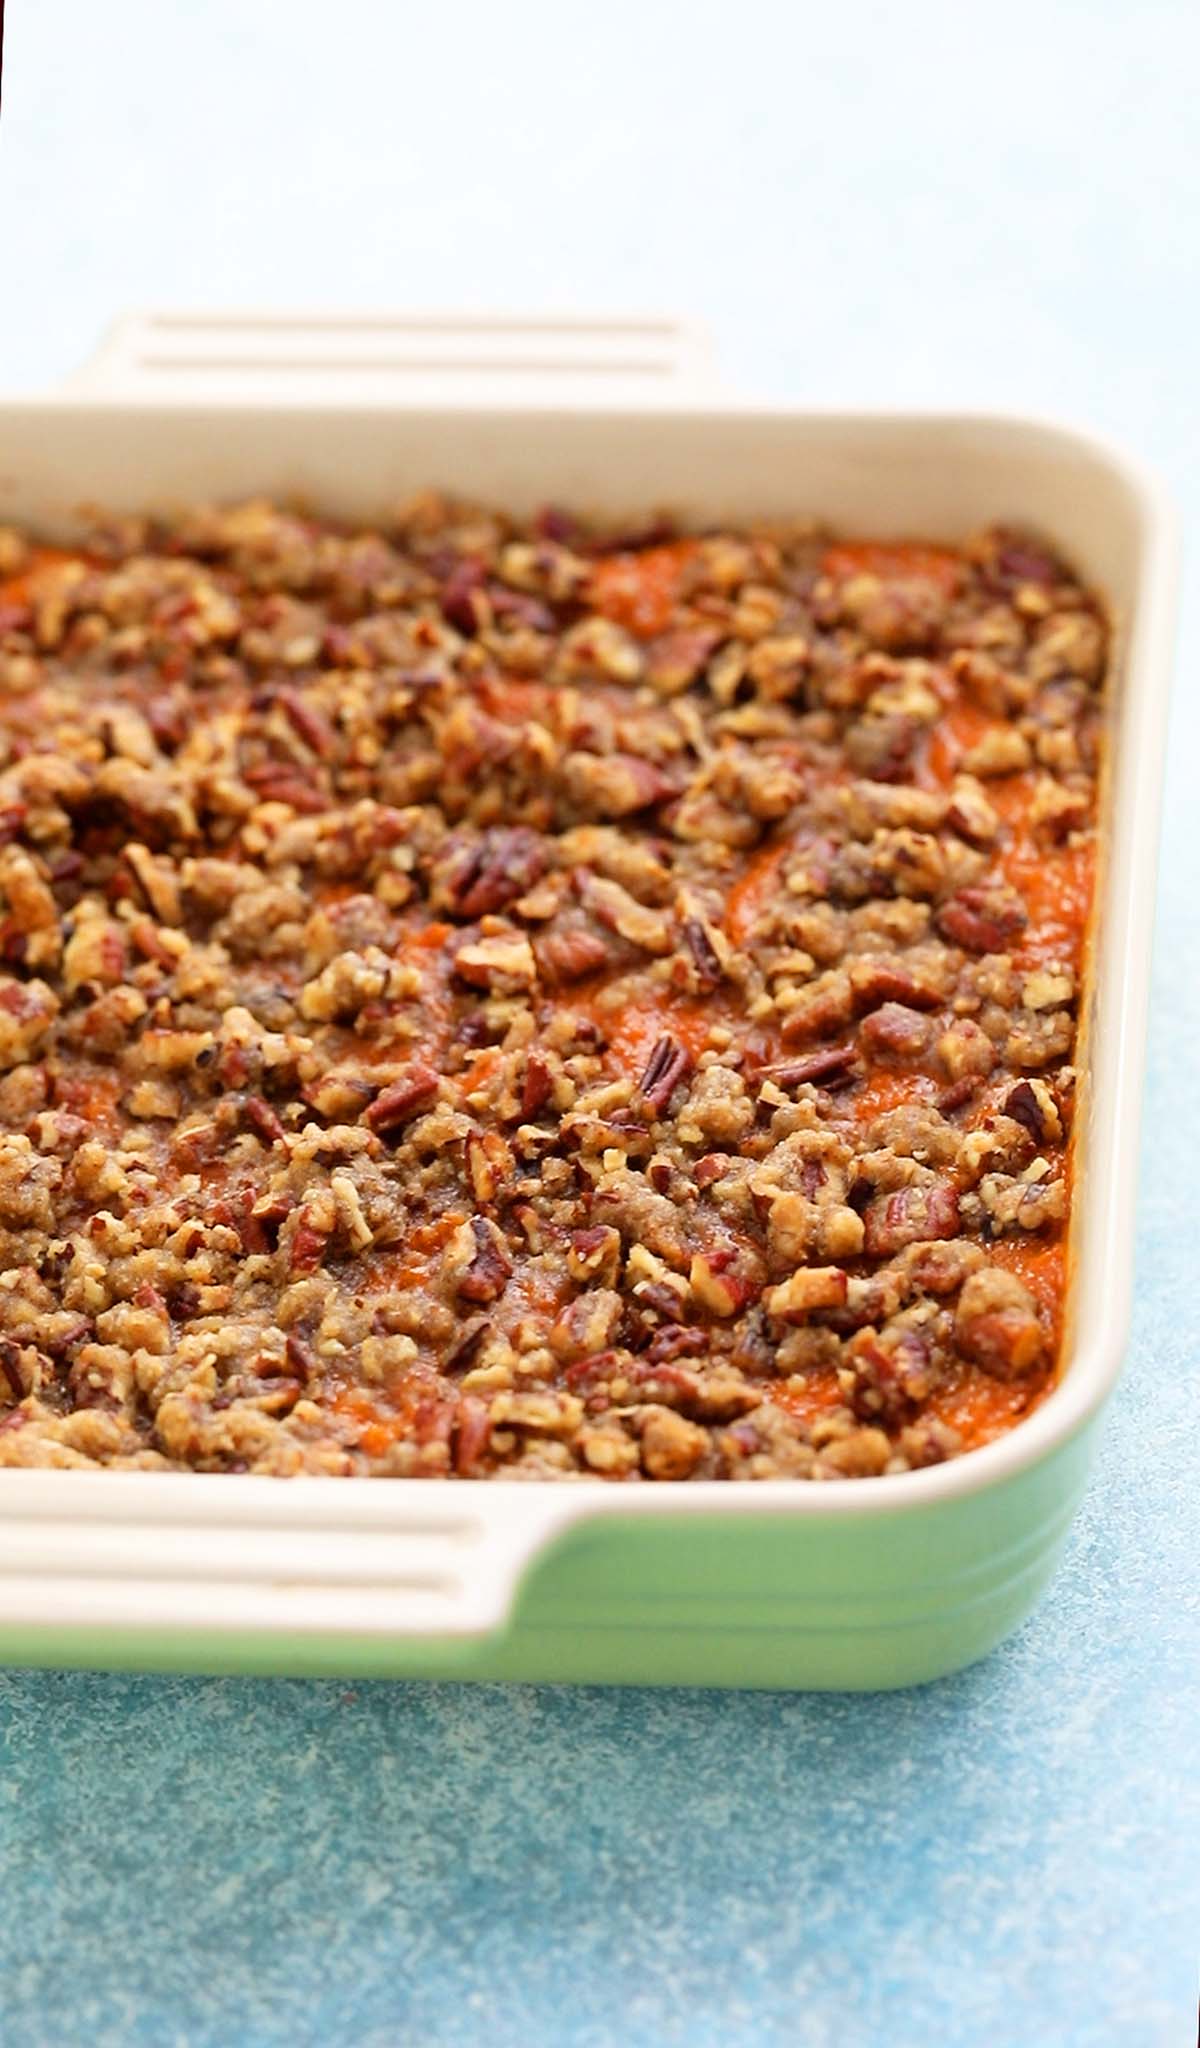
[394, 1105]
[307, 723]
[488, 1273]
[570, 954]
[894, 1032]
[669, 1064]
[615, 785]
[499, 998]
[276, 785]
[505, 863]
[537, 1086]
[301, 1355]
[263, 1120]
[10, 1367]
[832, 1067]
[1030, 1103]
[983, 920]
[704, 955]
[501, 959]
[813, 1287]
[886, 1383]
[472, 1434]
[909, 1216]
[464, 1350]
[676, 1340]
[880, 981]
[462, 596]
[998, 1325]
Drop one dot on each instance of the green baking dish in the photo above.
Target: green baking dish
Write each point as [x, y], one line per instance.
[849, 1583]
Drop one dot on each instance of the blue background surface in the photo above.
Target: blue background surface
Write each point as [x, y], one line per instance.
[934, 203]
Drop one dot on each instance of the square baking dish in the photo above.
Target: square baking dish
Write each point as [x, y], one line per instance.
[849, 1583]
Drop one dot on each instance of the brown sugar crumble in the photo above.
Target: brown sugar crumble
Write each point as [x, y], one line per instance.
[487, 998]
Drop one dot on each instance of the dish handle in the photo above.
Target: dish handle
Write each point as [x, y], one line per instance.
[415, 359]
[302, 1557]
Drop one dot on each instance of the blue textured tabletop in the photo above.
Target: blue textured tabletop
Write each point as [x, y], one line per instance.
[924, 204]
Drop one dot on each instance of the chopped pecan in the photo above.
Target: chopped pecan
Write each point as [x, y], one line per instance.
[998, 1326]
[10, 1366]
[718, 1287]
[537, 1086]
[395, 1104]
[276, 785]
[341, 1094]
[472, 1434]
[833, 1067]
[660, 1298]
[615, 907]
[614, 785]
[555, 523]
[1057, 812]
[588, 1324]
[676, 660]
[982, 919]
[863, 1453]
[909, 1216]
[886, 1381]
[461, 596]
[882, 744]
[676, 1340]
[258, 1225]
[595, 1368]
[958, 1094]
[671, 1447]
[502, 960]
[826, 1006]
[504, 863]
[264, 1121]
[490, 1164]
[895, 1032]
[940, 1267]
[1010, 559]
[466, 1345]
[309, 1244]
[489, 1271]
[309, 724]
[517, 608]
[811, 1287]
[971, 814]
[875, 982]
[668, 1066]
[1030, 1103]
[1045, 989]
[1002, 751]
[300, 1355]
[697, 937]
[595, 1255]
[569, 953]
[965, 1050]
[12, 822]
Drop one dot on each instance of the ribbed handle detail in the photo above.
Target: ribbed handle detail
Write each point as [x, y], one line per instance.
[407, 358]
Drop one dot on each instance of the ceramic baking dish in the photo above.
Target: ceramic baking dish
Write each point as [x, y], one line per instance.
[853, 1583]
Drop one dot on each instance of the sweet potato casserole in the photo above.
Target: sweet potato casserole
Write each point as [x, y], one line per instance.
[516, 1000]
